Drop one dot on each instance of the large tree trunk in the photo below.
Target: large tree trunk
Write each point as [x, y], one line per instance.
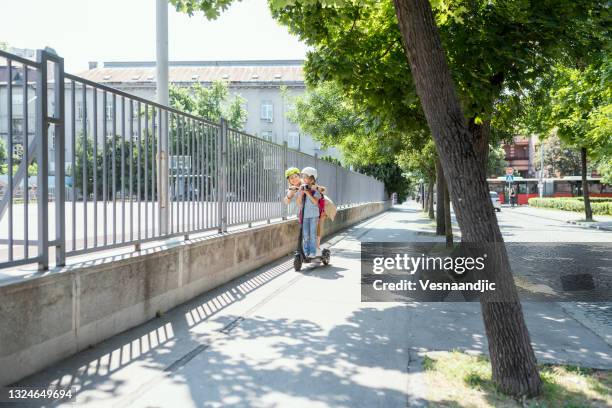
[440, 187]
[448, 224]
[480, 138]
[512, 357]
[585, 185]
[422, 188]
[430, 206]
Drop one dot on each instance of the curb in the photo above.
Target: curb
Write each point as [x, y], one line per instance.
[580, 224]
[585, 225]
[599, 329]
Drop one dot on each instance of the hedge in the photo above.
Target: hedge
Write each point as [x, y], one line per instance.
[599, 207]
[594, 199]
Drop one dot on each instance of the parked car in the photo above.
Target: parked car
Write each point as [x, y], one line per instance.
[495, 201]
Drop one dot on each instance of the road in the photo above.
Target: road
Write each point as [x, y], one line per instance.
[277, 337]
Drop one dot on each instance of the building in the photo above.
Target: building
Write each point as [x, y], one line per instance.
[261, 83]
[520, 155]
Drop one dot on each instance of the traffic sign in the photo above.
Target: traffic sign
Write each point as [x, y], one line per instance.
[509, 171]
[509, 178]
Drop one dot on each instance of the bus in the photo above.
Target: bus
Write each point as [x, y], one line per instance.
[527, 188]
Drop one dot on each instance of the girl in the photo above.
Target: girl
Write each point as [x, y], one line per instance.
[295, 181]
[310, 214]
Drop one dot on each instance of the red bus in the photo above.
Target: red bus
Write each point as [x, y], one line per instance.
[558, 187]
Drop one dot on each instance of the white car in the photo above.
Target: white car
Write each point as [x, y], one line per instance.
[495, 200]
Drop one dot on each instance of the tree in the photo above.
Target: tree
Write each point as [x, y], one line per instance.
[332, 118]
[582, 100]
[512, 357]
[421, 164]
[559, 159]
[391, 174]
[492, 46]
[4, 46]
[210, 103]
[605, 169]
[496, 51]
[496, 162]
[141, 154]
[575, 103]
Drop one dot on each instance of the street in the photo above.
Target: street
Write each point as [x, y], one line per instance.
[279, 337]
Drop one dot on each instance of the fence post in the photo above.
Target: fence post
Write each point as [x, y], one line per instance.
[222, 175]
[42, 189]
[59, 168]
[284, 208]
[163, 174]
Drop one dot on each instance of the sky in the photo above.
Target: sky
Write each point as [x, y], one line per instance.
[124, 30]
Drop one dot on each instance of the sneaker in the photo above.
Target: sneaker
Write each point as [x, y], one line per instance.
[318, 253]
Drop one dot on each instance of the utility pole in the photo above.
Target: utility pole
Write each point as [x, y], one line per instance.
[161, 37]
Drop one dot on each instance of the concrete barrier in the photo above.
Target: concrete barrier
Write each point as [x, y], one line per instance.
[47, 318]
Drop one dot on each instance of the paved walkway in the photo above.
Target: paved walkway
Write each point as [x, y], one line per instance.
[276, 337]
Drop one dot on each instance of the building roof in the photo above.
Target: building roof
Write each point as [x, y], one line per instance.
[275, 71]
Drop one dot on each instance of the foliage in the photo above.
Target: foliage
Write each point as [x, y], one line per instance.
[370, 146]
[3, 155]
[332, 160]
[496, 162]
[4, 46]
[581, 106]
[419, 164]
[558, 158]
[211, 8]
[330, 117]
[210, 102]
[491, 48]
[574, 102]
[136, 153]
[605, 170]
[392, 175]
[599, 207]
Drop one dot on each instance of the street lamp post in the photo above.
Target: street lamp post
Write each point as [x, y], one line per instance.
[161, 20]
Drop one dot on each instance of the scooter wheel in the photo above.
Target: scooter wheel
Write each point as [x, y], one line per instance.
[325, 256]
[297, 263]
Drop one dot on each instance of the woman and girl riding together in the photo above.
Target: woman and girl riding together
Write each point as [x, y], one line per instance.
[304, 188]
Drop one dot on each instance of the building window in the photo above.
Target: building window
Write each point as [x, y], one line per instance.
[293, 140]
[267, 111]
[266, 134]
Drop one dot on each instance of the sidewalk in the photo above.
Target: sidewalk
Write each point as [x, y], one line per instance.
[602, 222]
[276, 337]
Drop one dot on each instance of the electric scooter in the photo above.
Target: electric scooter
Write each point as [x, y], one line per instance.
[299, 256]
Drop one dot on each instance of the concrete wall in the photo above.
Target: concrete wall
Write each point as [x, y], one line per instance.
[45, 319]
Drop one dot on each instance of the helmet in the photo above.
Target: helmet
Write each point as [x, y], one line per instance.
[310, 171]
[291, 171]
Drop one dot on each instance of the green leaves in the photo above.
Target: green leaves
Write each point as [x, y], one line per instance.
[212, 9]
[209, 103]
